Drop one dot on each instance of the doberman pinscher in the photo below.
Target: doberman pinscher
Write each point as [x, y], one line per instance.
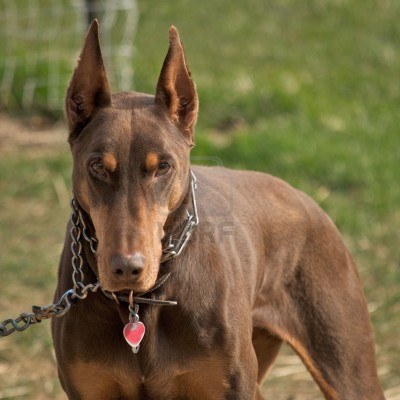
[264, 264]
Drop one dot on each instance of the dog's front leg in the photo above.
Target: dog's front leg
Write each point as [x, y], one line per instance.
[241, 381]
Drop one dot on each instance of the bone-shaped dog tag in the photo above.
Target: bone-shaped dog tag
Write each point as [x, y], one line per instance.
[133, 334]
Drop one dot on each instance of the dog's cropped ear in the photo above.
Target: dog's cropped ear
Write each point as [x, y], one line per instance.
[88, 90]
[175, 89]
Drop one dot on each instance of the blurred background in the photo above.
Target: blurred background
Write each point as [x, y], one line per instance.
[305, 90]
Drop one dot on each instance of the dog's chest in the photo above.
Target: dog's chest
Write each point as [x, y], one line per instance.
[200, 377]
[203, 377]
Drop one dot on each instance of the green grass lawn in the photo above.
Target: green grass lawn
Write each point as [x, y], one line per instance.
[308, 91]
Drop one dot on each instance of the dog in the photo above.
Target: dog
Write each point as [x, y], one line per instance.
[278, 271]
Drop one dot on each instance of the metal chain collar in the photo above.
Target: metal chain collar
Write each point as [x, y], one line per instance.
[80, 291]
[174, 250]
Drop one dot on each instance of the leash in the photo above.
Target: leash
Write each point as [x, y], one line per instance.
[134, 330]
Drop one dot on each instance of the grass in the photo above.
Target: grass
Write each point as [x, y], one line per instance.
[307, 91]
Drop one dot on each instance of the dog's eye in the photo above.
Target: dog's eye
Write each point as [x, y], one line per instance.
[163, 168]
[98, 169]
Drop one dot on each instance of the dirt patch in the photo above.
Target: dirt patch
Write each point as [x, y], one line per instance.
[35, 133]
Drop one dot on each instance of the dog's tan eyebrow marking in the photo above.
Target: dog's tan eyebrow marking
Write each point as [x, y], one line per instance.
[109, 162]
[151, 161]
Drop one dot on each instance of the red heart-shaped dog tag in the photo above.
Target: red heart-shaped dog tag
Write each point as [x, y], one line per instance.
[133, 333]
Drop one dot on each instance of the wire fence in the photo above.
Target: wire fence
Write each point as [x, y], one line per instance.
[40, 41]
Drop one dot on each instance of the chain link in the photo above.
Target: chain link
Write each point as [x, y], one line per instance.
[19, 324]
[90, 239]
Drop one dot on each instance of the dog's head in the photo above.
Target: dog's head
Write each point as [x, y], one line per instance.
[131, 160]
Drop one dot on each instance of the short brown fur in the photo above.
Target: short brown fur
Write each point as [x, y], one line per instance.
[264, 265]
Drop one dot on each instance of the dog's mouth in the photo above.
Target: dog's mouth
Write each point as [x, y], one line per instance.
[134, 290]
[125, 289]
[135, 298]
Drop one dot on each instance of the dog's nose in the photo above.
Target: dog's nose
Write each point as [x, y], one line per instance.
[127, 266]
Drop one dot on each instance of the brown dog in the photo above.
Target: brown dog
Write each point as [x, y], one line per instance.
[264, 265]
